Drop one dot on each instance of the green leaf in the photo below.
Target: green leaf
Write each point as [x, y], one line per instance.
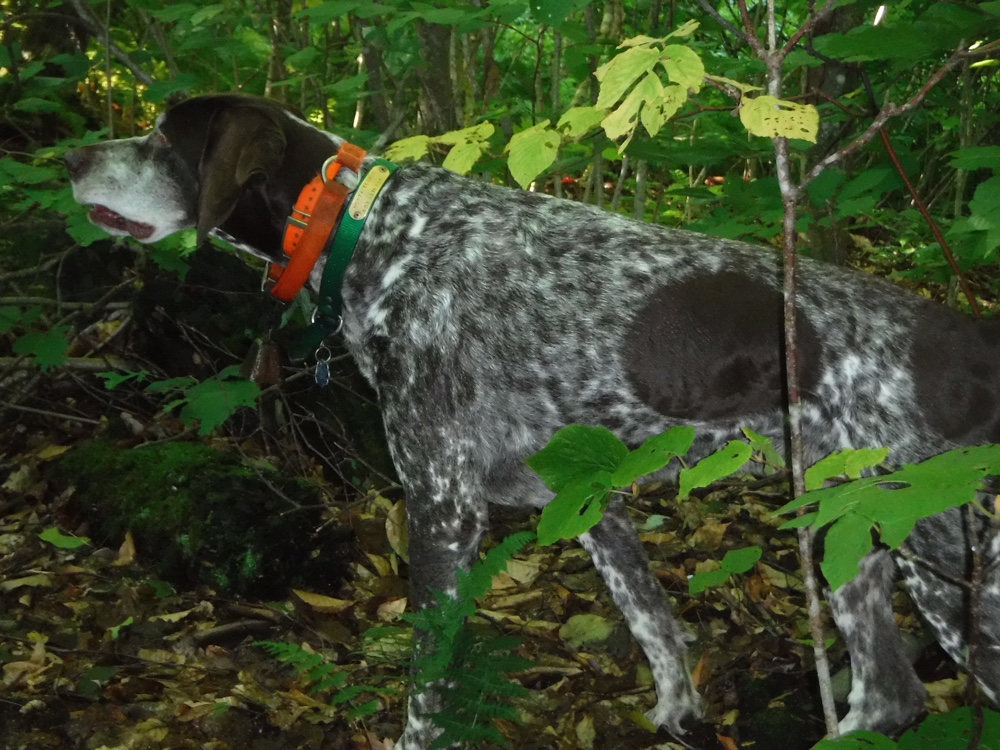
[9, 317]
[56, 538]
[706, 579]
[765, 447]
[19, 173]
[849, 462]
[741, 560]
[655, 453]
[684, 67]
[115, 630]
[551, 12]
[976, 157]
[858, 740]
[575, 510]
[578, 121]
[114, 379]
[409, 149]
[712, 468]
[846, 544]
[770, 117]
[576, 452]
[158, 91]
[621, 72]
[953, 731]
[532, 151]
[581, 629]
[213, 401]
[48, 349]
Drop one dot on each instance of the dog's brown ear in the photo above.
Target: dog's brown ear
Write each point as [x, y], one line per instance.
[242, 142]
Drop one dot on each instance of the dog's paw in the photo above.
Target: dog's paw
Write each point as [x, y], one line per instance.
[888, 714]
[683, 709]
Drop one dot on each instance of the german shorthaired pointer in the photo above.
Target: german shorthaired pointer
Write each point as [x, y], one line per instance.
[487, 318]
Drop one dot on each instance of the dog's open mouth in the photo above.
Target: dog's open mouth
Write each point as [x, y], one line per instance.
[106, 218]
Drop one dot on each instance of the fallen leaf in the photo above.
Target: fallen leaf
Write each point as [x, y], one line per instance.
[320, 603]
[391, 610]
[395, 530]
[580, 629]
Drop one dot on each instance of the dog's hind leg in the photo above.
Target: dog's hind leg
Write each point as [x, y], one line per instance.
[938, 569]
[618, 556]
[886, 695]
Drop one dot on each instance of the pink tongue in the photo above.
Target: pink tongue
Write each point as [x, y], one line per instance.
[105, 217]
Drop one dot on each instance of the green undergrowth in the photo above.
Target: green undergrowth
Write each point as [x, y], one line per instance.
[202, 515]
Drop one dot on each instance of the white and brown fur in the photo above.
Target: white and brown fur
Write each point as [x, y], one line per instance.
[487, 318]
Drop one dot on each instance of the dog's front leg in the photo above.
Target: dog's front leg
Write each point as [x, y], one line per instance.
[446, 520]
[618, 556]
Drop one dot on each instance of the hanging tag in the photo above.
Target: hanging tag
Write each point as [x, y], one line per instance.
[263, 362]
[322, 372]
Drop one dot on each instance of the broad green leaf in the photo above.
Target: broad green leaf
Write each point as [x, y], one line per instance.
[741, 560]
[953, 731]
[619, 73]
[657, 111]
[683, 66]
[712, 468]
[114, 379]
[409, 149]
[463, 156]
[532, 151]
[48, 349]
[37, 104]
[578, 121]
[581, 629]
[213, 401]
[479, 132]
[158, 91]
[706, 579]
[858, 740]
[575, 510]
[976, 157]
[846, 543]
[56, 538]
[765, 447]
[655, 453]
[623, 119]
[850, 463]
[576, 452]
[9, 317]
[986, 200]
[26, 174]
[686, 29]
[770, 117]
[551, 12]
[325, 13]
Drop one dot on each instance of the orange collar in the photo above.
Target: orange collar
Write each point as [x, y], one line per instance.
[312, 224]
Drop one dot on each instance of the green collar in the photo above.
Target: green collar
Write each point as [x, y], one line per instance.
[326, 319]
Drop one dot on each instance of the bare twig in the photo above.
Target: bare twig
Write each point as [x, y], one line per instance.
[98, 30]
[892, 110]
[714, 13]
[935, 229]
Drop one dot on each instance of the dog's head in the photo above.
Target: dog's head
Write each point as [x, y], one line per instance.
[192, 169]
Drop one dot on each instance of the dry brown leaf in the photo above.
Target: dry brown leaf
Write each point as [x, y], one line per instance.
[126, 553]
[708, 535]
[391, 610]
[37, 580]
[320, 603]
[381, 564]
[395, 530]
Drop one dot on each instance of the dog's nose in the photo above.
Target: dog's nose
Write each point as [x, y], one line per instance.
[77, 162]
